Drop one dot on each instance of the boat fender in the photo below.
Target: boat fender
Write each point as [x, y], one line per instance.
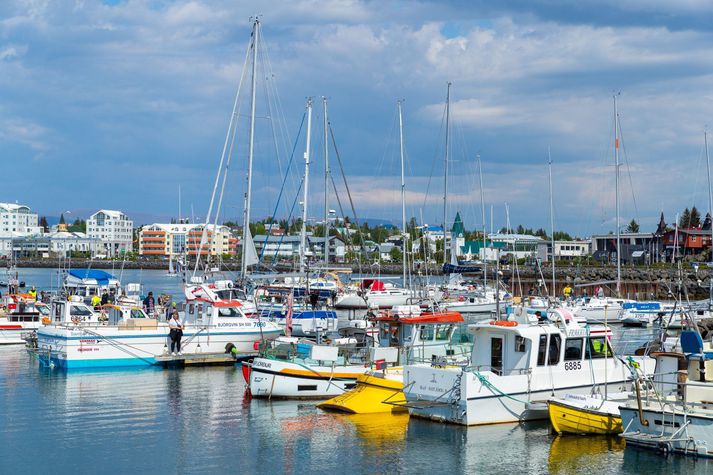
[503, 323]
[46, 321]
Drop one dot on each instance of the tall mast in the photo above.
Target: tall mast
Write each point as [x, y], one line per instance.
[303, 234]
[445, 174]
[326, 185]
[710, 210]
[251, 150]
[403, 193]
[552, 221]
[618, 231]
[482, 210]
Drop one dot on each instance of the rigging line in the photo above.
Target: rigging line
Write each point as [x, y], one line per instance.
[231, 124]
[628, 171]
[435, 158]
[282, 188]
[279, 110]
[267, 91]
[282, 237]
[349, 194]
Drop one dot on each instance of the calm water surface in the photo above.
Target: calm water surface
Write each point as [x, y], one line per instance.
[200, 421]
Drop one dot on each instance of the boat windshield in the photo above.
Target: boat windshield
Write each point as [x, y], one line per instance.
[228, 312]
[79, 311]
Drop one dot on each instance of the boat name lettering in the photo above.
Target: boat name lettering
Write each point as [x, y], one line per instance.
[87, 341]
[572, 365]
[262, 364]
[577, 332]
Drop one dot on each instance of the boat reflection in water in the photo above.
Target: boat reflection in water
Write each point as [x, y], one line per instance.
[379, 430]
[578, 454]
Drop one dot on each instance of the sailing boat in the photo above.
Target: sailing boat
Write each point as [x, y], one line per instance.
[594, 413]
[595, 308]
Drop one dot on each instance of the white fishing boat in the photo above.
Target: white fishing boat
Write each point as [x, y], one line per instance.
[88, 282]
[677, 416]
[596, 309]
[20, 314]
[515, 367]
[641, 314]
[218, 290]
[375, 293]
[130, 338]
[297, 369]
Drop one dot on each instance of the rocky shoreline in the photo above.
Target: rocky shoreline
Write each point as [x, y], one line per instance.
[637, 282]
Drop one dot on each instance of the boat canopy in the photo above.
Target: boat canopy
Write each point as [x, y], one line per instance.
[100, 276]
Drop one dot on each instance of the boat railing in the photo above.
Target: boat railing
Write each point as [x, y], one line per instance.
[500, 371]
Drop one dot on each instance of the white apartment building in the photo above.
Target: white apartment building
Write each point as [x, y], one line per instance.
[16, 218]
[114, 229]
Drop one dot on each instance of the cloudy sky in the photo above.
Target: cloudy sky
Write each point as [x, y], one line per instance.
[115, 104]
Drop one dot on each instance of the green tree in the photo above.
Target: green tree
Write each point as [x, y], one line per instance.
[633, 227]
[396, 254]
[684, 219]
[695, 219]
[44, 224]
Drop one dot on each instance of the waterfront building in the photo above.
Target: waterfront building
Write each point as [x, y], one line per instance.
[568, 250]
[174, 240]
[686, 241]
[114, 229]
[520, 246]
[635, 247]
[16, 218]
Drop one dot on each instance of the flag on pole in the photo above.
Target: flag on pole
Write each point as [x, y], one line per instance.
[288, 316]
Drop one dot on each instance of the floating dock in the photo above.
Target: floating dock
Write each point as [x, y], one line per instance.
[202, 359]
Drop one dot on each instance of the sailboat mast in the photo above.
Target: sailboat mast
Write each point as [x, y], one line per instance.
[326, 184]
[616, 167]
[710, 210]
[251, 150]
[445, 174]
[552, 221]
[482, 210]
[303, 234]
[403, 193]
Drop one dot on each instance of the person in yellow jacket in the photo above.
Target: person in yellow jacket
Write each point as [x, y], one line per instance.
[96, 301]
[568, 291]
[33, 293]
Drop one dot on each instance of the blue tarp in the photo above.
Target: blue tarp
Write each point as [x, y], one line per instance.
[100, 276]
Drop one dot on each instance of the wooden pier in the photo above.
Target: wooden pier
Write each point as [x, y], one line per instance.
[202, 359]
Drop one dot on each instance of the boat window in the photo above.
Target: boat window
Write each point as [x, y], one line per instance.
[79, 311]
[228, 312]
[191, 308]
[573, 349]
[554, 352]
[443, 332]
[426, 333]
[520, 344]
[542, 351]
[496, 355]
[597, 348]
[58, 310]
[136, 313]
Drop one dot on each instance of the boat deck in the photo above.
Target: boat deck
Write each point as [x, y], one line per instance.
[202, 359]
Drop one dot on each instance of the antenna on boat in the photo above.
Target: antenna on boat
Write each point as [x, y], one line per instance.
[616, 167]
[482, 210]
[326, 185]
[403, 193]
[552, 221]
[445, 174]
[710, 210]
[303, 234]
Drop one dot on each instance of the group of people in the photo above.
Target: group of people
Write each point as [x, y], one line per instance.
[105, 299]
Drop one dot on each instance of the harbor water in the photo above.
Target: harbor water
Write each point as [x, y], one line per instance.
[200, 420]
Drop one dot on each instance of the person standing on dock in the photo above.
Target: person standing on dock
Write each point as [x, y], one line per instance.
[150, 305]
[176, 332]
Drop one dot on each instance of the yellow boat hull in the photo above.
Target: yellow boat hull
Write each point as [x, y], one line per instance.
[372, 394]
[575, 420]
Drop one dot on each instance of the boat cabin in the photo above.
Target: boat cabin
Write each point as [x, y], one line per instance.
[423, 337]
[21, 308]
[89, 282]
[510, 347]
[71, 311]
[221, 313]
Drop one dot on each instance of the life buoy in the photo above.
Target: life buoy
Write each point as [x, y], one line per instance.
[75, 320]
[503, 323]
